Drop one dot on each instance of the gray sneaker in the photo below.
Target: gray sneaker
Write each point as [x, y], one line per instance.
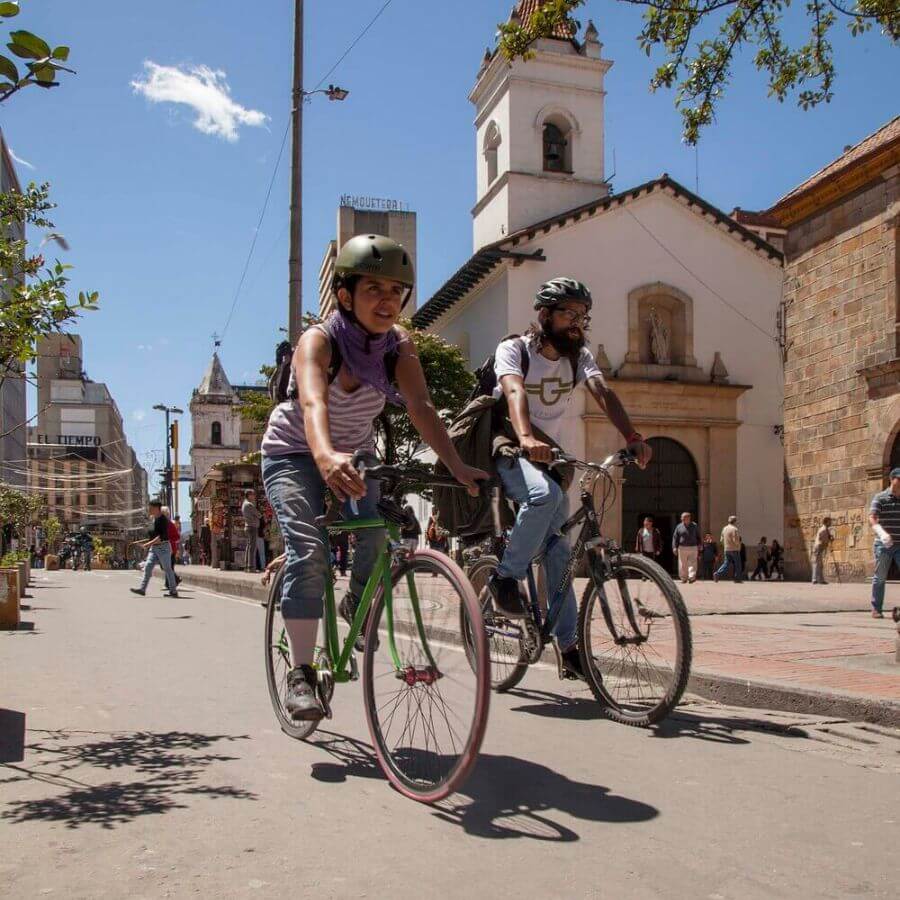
[301, 701]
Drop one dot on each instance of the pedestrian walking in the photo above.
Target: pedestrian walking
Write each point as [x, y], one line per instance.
[709, 553]
[776, 556]
[340, 545]
[411, 530]
[160, 551]
[686, 546]
[824, 537]
[731, 543]
[86, 544]
[438, 537]
[174, 540]
[648, 541]
[884, 517]
[761, 572]
[251, 529]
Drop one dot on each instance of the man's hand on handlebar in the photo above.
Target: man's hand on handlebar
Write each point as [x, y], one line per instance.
[469, 476]
[642, 453]
[535, 450]
[341, 476]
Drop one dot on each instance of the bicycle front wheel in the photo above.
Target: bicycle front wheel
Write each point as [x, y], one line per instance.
[635, 641]
[426, 698]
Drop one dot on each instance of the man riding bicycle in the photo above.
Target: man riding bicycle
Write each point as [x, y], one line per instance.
[345, 370]
[537, 392]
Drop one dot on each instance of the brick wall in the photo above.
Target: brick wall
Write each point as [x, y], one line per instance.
[841, 316]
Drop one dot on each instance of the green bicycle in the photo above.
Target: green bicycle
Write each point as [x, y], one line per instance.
[426, 700]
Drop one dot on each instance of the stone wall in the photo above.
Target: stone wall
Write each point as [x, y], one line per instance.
[840, 316]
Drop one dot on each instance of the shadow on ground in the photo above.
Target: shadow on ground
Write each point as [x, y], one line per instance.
[718, 728]
[505, 797]
[160, 771]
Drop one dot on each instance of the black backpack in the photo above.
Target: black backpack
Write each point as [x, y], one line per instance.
[281, 384]
[486, 377]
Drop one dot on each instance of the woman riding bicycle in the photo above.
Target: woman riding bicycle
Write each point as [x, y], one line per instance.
[310, 441]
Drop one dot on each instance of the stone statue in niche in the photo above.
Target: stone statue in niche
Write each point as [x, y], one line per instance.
[659, 339]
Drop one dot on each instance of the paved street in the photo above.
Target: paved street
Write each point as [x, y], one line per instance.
[152, 767]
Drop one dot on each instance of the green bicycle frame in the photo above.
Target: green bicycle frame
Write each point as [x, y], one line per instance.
[381, 573]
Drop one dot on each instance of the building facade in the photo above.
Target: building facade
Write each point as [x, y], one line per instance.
[12, 380]
[79, 458]
[842, 365]
[396, 224]
[686, 299]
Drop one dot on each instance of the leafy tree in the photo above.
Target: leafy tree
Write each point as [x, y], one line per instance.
[42, 63]
[701, 38]
[52, 529]
[18, 509]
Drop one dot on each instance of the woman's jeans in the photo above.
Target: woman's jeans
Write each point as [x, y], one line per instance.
[543, 509]
[883, 558]
[296, 491]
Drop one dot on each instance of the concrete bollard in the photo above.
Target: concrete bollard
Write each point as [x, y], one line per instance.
[23, 578]
[9, 598]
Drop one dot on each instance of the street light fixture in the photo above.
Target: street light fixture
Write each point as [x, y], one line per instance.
[167, 477]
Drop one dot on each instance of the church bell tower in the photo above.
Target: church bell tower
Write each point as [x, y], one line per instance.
[539, 131]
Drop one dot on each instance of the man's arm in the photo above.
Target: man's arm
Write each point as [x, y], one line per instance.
[517, 402]
[879, 530]
[609, 402]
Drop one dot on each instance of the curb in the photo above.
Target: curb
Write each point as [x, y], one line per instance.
[724, 689]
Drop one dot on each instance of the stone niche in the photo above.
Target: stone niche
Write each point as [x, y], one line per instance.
[673, 311]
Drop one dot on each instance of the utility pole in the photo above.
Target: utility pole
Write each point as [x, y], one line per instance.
[167, 475]
[295, 291]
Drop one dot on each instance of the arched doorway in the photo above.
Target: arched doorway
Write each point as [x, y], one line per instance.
[664, 490]
[895, 453]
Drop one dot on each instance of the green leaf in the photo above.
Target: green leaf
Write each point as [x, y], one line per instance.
[8, 10]
[44, 74]
[8, 69]
[38, 46]
[61, 53]
[23, 52]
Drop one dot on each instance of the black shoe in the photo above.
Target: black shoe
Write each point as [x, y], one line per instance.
[301, 701]
[507, 596]
[177, 580]
[347, 608]
[571, 665]
[138, 591]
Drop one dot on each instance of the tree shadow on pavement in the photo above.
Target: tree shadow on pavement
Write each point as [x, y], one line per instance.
[171, 762]
[505, 797]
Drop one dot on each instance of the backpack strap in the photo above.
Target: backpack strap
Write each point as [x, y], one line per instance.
[525, 359]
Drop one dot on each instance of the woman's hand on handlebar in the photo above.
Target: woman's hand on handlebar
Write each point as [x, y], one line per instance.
[470, 476]
[340, 475]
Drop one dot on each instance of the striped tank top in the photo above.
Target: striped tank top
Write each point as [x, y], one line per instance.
[351, 418]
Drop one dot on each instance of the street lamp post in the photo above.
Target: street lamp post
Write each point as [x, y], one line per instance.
[167, 477]
[295, 264]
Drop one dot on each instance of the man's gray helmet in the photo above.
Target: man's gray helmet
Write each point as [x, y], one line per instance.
[559, 290]
[377, 256]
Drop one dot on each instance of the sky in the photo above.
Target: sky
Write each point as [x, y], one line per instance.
[160, 152]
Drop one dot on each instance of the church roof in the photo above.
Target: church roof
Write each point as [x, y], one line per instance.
[882, 147]
[215, 382]
[527, 8]
[469, 275]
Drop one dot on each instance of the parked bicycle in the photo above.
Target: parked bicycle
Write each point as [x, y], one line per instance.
[634, 636]
[426, 700]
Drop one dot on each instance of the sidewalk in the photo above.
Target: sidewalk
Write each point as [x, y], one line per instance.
[778, 645]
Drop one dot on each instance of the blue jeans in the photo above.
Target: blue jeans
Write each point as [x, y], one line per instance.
[732, 558]
[160, 553]
[543, 509]
[883, 558]
[296, 491]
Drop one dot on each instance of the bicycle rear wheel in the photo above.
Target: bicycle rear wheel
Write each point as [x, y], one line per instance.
[427, 709]
[278, 662]
[506, 638]
[635, 642]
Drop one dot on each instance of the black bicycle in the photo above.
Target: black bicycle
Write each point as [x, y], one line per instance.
[634, 637]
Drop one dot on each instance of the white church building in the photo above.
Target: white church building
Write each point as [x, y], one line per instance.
[686, 299]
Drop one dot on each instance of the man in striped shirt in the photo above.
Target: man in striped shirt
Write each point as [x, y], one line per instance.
[884, 517]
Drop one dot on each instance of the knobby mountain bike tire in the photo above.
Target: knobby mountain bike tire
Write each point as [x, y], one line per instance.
[506, 648]
[278, 663]
[427, 717]
[636, 682]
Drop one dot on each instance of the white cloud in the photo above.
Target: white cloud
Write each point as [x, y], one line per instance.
[203, 89]
[145, 347]
[139, 415]
[18, 159]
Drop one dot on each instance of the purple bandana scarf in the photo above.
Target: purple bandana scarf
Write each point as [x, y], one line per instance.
[363, 355]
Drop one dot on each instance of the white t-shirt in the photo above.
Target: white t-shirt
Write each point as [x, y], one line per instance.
[647, 541]
[548, 383]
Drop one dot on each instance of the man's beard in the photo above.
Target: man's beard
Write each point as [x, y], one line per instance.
[561, 341]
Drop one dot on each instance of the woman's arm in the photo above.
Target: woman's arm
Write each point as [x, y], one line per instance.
[411, 382]
[310, 363]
